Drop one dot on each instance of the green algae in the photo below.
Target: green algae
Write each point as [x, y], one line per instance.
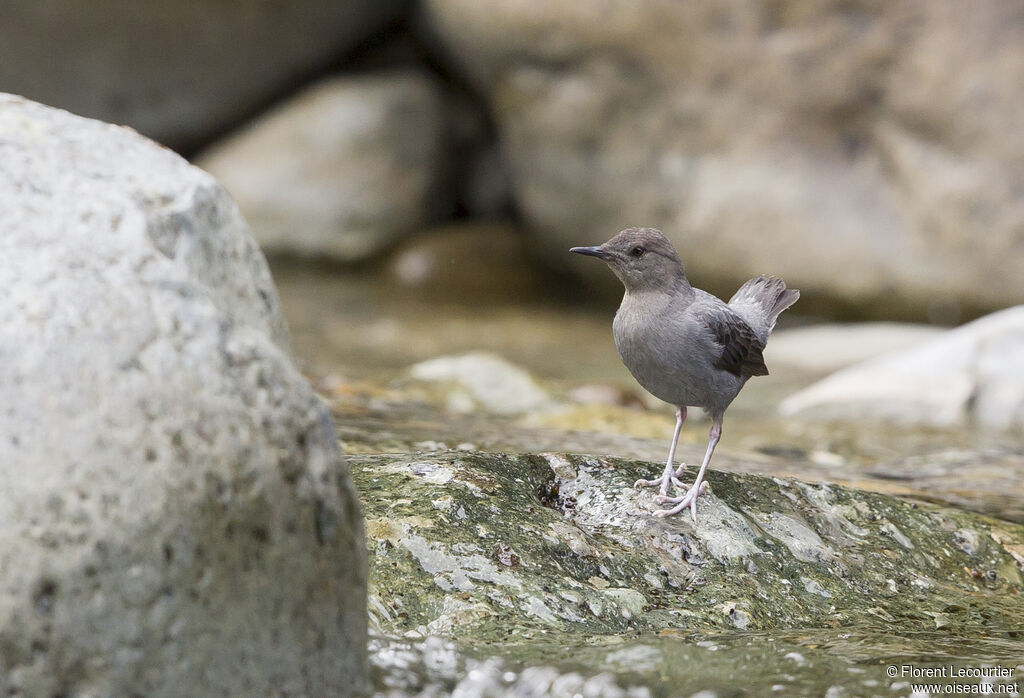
[504, 547]
[548, 572]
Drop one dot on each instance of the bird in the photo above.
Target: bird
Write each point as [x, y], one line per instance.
[686, 346]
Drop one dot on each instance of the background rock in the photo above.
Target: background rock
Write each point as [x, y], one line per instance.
[973, 374]
[483, 381]
[828, 347]
[465, 265]
[176, 512]
[481, 177]
[868, 153]
[177, 72]
[343, 169]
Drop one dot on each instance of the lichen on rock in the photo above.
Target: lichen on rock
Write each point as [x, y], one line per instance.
[767, 553]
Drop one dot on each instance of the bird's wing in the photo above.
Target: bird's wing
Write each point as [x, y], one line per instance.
[741, 349]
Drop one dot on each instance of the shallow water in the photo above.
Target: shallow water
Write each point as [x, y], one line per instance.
[835, 663]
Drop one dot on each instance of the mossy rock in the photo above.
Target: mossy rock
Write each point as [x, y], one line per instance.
[497, 549]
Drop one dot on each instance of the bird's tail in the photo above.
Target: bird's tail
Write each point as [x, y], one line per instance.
[769, 294]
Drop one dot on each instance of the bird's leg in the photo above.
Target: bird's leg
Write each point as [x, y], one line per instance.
[668, 477]
[699, 486]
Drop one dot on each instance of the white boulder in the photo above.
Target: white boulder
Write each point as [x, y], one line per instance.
[971, 374]
[176, 515]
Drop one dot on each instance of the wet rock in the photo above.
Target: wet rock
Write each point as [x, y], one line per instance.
[343, 169]
[867, 153]
[805, 586]
[972, 374]
[484, 381]
[505, 555]
[177, 515]
[180, 73]
[767, 554]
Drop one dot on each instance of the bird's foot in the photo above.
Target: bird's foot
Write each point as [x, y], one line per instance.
[677, 504]
[659, 481]
[665, 499]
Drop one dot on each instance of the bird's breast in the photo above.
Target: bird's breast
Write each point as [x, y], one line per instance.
[669, 355]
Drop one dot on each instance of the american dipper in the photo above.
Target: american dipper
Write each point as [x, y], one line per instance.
[684, 345]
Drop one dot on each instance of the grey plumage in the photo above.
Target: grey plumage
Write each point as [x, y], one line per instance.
[763, 298]
[684, 345]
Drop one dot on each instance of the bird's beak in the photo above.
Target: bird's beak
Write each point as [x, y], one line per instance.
[590, 251]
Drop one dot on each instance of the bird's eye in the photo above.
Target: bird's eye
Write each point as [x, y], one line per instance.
[638, 251]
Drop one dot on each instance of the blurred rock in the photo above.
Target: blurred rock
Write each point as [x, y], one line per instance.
[830, 347]
[177, 72]
[177, 516]
[484, 381]
[869, 153]
[973, 374]
[343, 169]
[434, 667]
[467, 264]
[605, 394]
[483, 188]
[485, 191]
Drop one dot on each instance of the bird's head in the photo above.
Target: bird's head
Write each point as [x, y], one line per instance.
[642, 258]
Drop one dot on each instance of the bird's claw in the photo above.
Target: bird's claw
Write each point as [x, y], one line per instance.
[677, 504]
[659, 481]
[647, 483]
[665, 499]
[680, 503]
